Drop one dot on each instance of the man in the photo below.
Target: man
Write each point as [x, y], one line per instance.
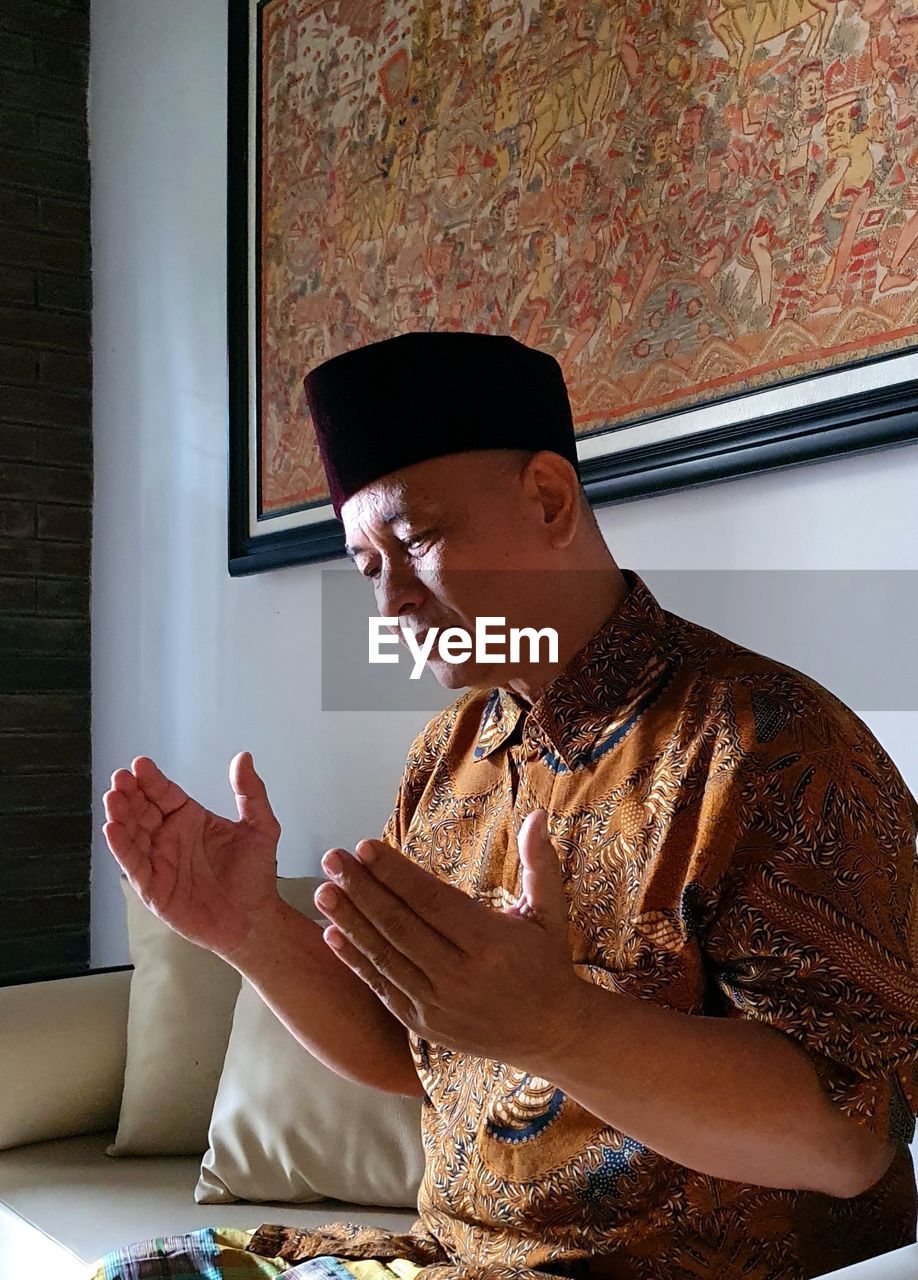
[642, 927]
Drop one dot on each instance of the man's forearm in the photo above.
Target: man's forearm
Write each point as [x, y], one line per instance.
[323, 1004]
[728, 1097]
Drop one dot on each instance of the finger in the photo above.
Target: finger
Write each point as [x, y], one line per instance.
[252, 802]
[133, 810]
[149, 817]
[398, 918]
[118, 808]
[133, 856]
[542, 879]
[391, 996]
[124, 780]
[522, 907]
[160, 790]
[383, 940]
[444, 908]
[124, 784]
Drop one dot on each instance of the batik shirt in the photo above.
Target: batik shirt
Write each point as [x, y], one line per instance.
[735, 843]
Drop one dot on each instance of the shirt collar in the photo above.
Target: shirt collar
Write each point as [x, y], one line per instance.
[600, 690]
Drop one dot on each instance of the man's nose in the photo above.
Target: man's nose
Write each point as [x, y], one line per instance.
[399, 591]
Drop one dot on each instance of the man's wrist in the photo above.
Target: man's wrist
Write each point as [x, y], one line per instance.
[558, 1052]
[260, 944]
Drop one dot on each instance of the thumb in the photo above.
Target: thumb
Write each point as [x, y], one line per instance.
[542, 881]
[252, 801]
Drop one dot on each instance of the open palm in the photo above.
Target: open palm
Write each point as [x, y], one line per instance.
[206, 876]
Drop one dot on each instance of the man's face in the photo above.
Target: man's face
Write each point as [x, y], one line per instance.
[577, 187]
[451, 539]
[440, 257]
[662, 142]
[318, 348]
[546, 251]
[404, 306]
[839, 130]
[903, 53]
[809, 90]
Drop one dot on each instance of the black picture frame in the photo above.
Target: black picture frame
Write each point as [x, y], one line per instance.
[879, 418]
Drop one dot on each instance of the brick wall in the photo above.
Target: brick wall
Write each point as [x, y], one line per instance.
[45, 488]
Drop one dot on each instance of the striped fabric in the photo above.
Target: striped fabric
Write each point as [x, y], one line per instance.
[220, 1253]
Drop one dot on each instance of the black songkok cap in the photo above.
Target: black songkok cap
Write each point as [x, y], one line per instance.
[389, 404]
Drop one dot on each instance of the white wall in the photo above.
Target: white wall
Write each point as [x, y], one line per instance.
[190, 666]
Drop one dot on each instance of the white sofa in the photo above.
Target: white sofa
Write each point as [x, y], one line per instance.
[64, 1202]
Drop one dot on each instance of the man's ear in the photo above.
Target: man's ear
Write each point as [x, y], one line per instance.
[550, 481]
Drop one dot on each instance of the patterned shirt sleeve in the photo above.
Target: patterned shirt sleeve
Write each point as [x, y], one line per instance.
[813, 921]
[425, 751]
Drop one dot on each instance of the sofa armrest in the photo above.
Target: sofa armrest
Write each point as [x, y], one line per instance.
[62, 1055]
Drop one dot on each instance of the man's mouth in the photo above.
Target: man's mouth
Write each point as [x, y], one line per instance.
[417, 635]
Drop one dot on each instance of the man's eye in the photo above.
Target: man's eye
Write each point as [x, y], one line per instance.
[417, 540]
[370, 572]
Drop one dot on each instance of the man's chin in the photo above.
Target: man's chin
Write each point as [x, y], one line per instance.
[463, 675]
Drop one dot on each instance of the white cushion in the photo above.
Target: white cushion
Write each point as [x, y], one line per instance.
[61, 1056]
[64, 1204]
[182, 999]
[285, 1127]
[181, 1011]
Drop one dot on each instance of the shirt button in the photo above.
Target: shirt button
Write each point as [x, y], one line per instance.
[532, 737]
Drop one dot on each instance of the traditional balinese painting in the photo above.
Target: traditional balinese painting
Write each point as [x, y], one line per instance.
[682, 200]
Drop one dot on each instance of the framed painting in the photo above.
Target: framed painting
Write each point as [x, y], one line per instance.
[707, 210]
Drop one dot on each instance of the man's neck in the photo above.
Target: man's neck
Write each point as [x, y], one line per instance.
[584, 616]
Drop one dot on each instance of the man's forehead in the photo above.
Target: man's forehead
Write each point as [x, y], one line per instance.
[381, 505]
[415, 491]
